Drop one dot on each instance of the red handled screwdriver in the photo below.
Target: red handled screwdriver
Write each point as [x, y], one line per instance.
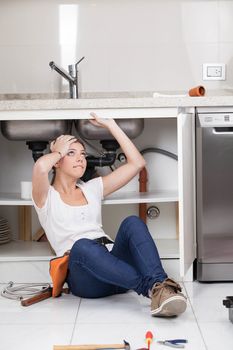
[149, 337]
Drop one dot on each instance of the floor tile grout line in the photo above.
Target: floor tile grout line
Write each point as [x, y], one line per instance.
[198, 326]
[75, 321]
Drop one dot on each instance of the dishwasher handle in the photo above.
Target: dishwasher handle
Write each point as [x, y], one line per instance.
[223, 130]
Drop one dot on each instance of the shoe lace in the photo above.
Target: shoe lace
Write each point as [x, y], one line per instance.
[170, 285]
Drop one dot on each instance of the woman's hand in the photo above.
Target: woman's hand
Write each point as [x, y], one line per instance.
[103, 122]
[62, 144]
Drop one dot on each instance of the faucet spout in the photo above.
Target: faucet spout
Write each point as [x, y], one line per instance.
[71, 76]
[62, 72]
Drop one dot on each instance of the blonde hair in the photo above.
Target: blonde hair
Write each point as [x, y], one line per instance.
[54, 169]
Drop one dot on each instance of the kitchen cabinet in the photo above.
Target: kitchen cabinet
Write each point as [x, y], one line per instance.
[171, 187]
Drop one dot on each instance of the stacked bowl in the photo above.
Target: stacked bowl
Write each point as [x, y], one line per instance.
[5, 233]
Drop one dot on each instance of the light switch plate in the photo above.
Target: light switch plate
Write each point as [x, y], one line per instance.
[214, 71]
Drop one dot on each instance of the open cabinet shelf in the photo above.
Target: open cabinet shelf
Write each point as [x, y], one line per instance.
[116, 198]
[40, 251]
[25, 251]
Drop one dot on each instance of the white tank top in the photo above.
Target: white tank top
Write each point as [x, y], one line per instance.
[65, 224]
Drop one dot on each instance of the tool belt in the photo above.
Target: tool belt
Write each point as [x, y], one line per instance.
[58, 268]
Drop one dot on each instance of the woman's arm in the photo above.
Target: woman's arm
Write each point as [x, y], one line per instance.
[42, 167]
[135, 162]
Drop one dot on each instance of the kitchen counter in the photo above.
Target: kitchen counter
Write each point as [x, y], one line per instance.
[42, 108]
[117, 102]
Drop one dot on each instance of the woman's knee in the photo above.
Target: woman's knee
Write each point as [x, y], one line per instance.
[132, 220]
[133, 226]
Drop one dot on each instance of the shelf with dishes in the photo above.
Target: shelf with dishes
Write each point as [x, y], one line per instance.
[5, 232]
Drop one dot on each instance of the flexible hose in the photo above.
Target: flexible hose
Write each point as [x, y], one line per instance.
[161, 151]
[22, 291]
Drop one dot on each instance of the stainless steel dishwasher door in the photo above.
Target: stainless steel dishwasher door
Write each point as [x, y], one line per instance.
[214, 174]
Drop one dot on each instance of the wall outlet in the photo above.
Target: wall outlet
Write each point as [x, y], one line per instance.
[214, 71]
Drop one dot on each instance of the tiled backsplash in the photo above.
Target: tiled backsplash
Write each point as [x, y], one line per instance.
[129, 45]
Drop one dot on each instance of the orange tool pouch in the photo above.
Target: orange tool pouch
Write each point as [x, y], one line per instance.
[58, 271]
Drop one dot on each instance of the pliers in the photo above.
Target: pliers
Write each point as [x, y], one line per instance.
[174, 343]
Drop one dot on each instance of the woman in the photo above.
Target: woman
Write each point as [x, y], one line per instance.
[70, 213]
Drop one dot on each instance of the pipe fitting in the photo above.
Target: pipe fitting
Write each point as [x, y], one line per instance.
[106, 160]
[153, 212]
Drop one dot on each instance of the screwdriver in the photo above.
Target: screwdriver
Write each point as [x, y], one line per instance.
[149, 337]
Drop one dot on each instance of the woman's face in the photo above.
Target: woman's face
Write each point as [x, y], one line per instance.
[74, 163]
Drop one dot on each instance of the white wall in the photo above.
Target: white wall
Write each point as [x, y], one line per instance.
[129, 45]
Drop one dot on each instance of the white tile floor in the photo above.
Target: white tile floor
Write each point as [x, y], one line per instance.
[70, 320]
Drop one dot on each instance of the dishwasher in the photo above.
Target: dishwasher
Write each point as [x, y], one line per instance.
[214, 193]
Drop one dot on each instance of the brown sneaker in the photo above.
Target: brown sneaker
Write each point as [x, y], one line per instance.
[166, 299]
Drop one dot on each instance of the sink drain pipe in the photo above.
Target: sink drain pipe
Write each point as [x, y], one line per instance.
[107, 159]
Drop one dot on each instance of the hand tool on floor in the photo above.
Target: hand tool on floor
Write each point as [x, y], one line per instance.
[149, 337]
[39, 297]
[42, 296]
[174, 343]
[125, 346]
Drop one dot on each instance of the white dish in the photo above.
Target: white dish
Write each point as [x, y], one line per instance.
[6, 234]
[5, 241]
[4, 225]
[4, 237]
[4, 231]
[4, 228]
[2, 220]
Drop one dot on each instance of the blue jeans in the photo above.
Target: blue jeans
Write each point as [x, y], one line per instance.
[133, 263]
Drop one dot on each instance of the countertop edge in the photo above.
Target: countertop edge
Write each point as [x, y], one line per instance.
[115, 103]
